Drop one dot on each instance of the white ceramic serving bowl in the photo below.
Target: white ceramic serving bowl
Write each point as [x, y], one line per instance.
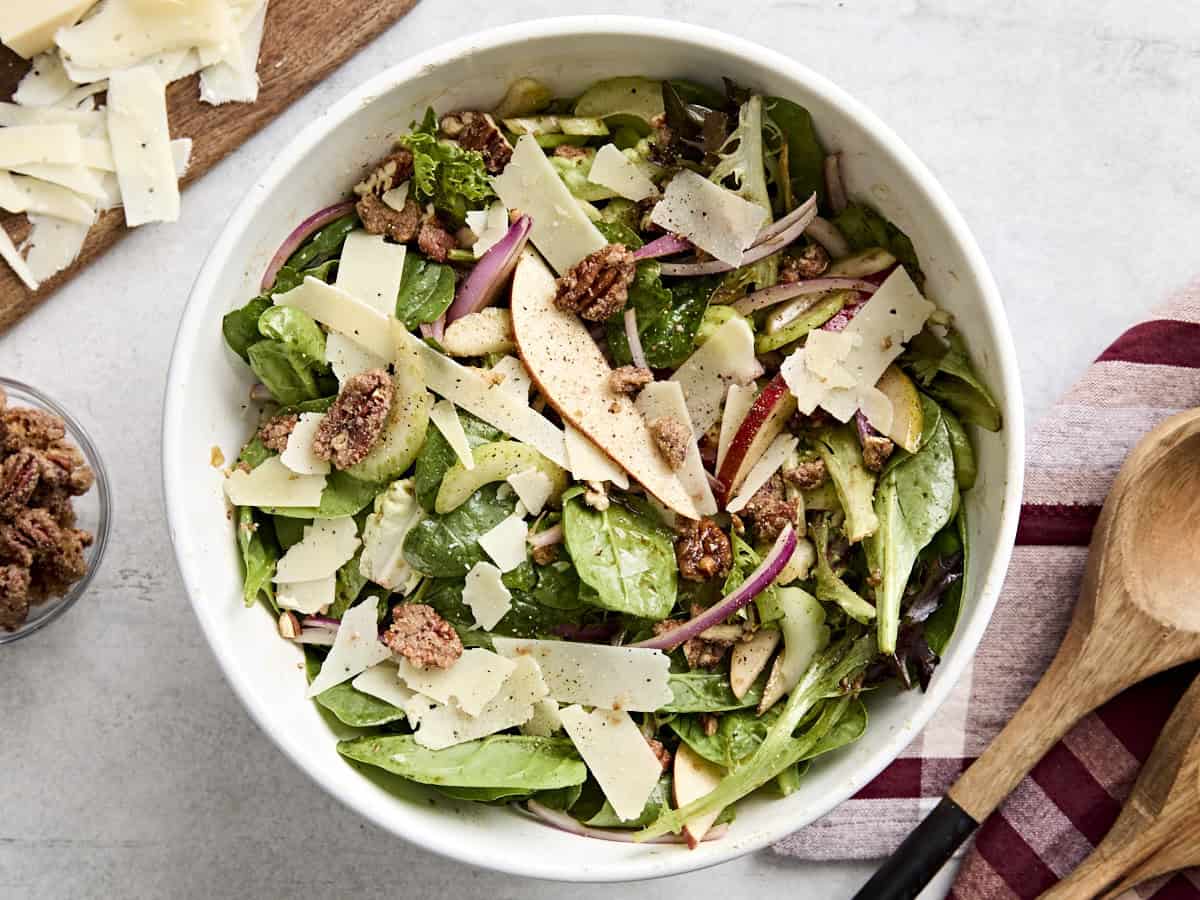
[206, 406]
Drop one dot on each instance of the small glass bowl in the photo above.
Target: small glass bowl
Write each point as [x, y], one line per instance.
[93, 509]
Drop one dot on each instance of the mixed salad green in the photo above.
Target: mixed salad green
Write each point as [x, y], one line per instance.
[610, 452]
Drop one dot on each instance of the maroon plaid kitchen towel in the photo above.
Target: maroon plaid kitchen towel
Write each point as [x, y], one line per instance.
[1069, 801]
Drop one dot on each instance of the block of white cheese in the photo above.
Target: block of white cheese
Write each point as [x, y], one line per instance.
[20, 193]
[370, 269]
[516, 377]
[45, 83]
[28, 26]
[78, 178]
[738, 400]
[473, 680]
[273, 484]
[141, 146]
[617, 755]
[333, 307]
[484, 592]
[356, 647]
[714, 219]
[760, 473]
[299, 455]
[327, 545]
[9, 254]
[53, 244]
[614, 170]
[488, 225]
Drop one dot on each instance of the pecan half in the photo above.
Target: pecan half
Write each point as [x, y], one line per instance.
[479, 131]
[29, 429]
[876, 450]
[598, 285]
[423, 637]
[629, 379]
[807, 474]
[672, 438]
[19, 476]
[377, 217]
[811, 262]
[356, 419]
[274, 432]
[14, 596]
[703, 551]
[435, 240]
[391, 172]
[769, 510]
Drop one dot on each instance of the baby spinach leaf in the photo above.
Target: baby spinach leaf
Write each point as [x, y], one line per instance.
[343, 496]
[864, 228]
[658, 800]
[965, 470]
[295, 329]
[289, 531]
[944, 369]
[557, 586]
[693, 692]
[624, 554]
[846, 730]
[790, 125]
[484, 795]
[260, 553]
[447, 545]
[351, 706]
[324, 245]
[525, 618]
[348, 585]
[562, 799]
[437, 456]
[939, 627]
[426, 291]
[240, 327]
[445, 174]
[287, 373]
[500, 761]
[618, 232]
[667, 319]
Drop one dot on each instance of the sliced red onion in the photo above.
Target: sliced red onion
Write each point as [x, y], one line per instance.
[491, 272]
[865, 429]
[601, 631]
[760, 579]
[835, 188]
[321, 622]
[552, 535]
[568, 823]
[634, 339]
[426, 330]
[321, 637]
[299, 235]
[829, 236]
[780, 292]
[772, 239]
[439, 328]
[666, 245]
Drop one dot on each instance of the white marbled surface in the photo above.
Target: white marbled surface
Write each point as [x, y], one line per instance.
[1065, 131]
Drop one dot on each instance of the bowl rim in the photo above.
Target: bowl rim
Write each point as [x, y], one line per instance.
[103, 488]
[969, 634]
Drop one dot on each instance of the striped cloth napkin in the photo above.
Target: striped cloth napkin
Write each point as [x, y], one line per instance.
[1068, 802]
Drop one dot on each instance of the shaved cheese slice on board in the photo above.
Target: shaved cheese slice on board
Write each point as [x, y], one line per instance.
[571, 372]
[20, 193]
[13, 115]
[561, 230]
[738, 400]
[481, 396]
[53, 244]
[235, 79]
[299, 455]
[726, 358]
[533, 487]
[78, 178]
[714, 219]
[331, 306]
[617, 755]
[141, 145]
[273, 484]
[125, 32]
[348, 358]
[28, 144]
[45, 83]
[589, 463]
[632, 678]
[450, 425]
[356, 647]
[370, 269]
[473, 680]
[661, 399]
[8, 252]
[28, 27]
[444, 725]
[545, 720]
[614, 170]
[383, 682]
[168, 65]
[486, 595]
[327, 545]
[505, 543]
[760, 473]
[307, 597]
[96, 153]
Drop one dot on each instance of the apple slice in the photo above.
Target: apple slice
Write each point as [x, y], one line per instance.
[749, 658]
[908, 417]
[761, 425]
[694, 777]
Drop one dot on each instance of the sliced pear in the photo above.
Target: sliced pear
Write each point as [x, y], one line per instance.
[908, 418]
[800, 320]
[693, 778]
[761, 425]
[749, 658]
[805, 634]
[495, 462]
[407, 422]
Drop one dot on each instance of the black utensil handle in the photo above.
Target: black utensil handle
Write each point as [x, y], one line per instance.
[921, 855]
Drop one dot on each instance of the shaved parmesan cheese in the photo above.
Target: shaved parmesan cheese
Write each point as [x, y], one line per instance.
[331, 306]
[880, 329]
[16, 262]
[307, 597]
[445, 725]
[53, 245]
[588, 462]
[505, 543]
[19, 193]
[533, 487]
[382, 681]
[28, 27]
[45, 83]
[486, 594]
[665, 399]
[356, 647]
[370, 270]
[273, 484]
[472, 390]
[181, 155]
[298, 455]
[714, 219]
[13, 115]
[726, 358]
[141, 146]
[235, 80]
[617, 755]
[348, 358]
[25, 144]
[738, 401]
[125, 32]
[877, 407]
[561, 230]
[473, 680]
[614, 170]
[545, 720]
[760, 473]
[489, 226]
[516, 377]
[397, 197]
[450, 425]
[824, 352]
[168, 65]
[78, 178]
[327, 545]
[600, 675]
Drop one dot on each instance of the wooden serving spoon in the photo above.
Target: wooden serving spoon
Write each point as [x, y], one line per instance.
[1138, 614]
[1158, 830]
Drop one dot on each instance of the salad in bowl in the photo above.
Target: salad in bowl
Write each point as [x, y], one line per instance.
[610, 453]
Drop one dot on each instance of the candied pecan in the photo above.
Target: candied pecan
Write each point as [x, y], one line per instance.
[811, 262]
[672, 438]
[479, 131]
[356, 420]
[3, 400]
[545, 554]
[423, 637]
[876, 449]
[598, 285]
[274, 432]
[660, 751]
[703, 551]
[808, 474]
[434, 240]
[33, 533]
[570, 151]
[14, 596]
[29, 429]
[378, 218]
[62, 565]
[19, 475]
[629, 379]
[769, 509]
[391, 171]
[63, 469]
[700, 653]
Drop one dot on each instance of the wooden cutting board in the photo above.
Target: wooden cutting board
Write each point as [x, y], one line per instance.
[304, 41]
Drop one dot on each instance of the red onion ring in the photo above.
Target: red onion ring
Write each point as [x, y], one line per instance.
[829, 236]
[780, 292]
[565, 822]
[552, 535]
[482, 286]
[772, 239]
[634, 339]
[299, 235]
[663, 246]
[835, 188]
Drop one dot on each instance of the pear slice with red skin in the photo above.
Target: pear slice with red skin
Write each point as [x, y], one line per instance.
[908, 417]
[762, 424]
[692, 778]
[749, 658]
